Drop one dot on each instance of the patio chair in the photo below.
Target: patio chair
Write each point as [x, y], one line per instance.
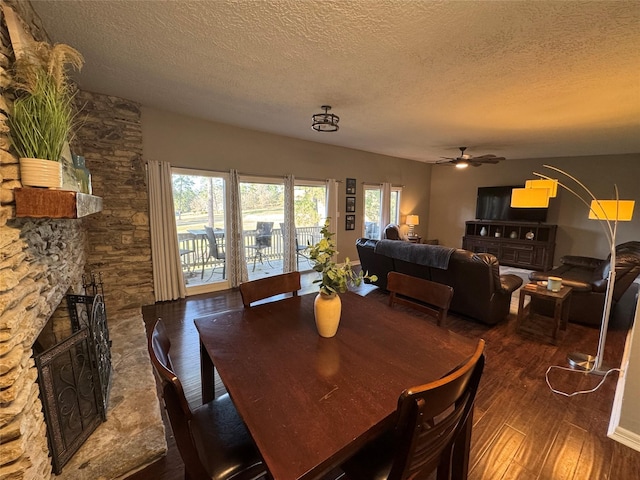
[216, 253]
[264, 233]
[299, 248]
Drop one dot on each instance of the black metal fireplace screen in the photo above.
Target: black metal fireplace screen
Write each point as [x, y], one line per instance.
[75, 375]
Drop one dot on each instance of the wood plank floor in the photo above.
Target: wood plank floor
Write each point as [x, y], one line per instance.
[521, 429]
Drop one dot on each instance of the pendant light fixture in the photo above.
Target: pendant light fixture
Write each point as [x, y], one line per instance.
[325, 122]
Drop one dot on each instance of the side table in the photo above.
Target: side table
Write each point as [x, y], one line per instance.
[561, 299]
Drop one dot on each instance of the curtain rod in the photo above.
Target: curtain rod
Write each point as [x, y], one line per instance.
[372, 184]
[253, 175]
[283, 176]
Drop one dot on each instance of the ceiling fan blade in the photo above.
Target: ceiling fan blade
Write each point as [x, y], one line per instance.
[487, 161]
[482, 157]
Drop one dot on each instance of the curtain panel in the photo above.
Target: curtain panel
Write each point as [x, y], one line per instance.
[289, 234]
[385, 206]
[237, 263]
[168, 281]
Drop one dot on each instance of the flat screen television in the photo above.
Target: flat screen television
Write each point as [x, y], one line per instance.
[494, 203]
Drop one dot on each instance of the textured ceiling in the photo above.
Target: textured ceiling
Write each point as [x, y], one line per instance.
[413, 79]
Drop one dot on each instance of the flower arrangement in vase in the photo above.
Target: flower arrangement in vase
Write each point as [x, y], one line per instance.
[335, 279]
[43, 116]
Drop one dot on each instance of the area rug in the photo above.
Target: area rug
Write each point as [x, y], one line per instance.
[133, 435]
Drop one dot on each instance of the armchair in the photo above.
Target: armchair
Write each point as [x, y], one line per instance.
[587, 277]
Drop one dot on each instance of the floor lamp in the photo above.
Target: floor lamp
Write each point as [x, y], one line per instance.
[536, 194]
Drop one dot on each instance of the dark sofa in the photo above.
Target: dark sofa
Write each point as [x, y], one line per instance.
[587, 277]
[479, 291]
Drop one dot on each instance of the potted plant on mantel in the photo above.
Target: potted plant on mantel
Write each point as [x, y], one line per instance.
[327, 306]
[43, 116]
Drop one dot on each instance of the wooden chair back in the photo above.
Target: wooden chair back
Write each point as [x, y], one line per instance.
[431, 417]
[435, 297]
[175, 402]
[268, 287]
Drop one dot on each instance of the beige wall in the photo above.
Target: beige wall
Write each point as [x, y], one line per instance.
[193, 143]
[626, 426]
[453, 199]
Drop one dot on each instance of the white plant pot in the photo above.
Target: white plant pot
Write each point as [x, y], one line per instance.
[36, 172]
[327, 310]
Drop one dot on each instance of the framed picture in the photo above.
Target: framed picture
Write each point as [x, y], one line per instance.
[351, 186]
[350, 222]
[351, 204]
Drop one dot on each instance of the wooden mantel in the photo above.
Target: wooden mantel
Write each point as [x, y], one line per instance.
[47, 203]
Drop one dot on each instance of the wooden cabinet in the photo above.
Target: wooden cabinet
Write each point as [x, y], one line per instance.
[526, 245]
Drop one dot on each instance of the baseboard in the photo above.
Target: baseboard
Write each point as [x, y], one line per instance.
[625, 437]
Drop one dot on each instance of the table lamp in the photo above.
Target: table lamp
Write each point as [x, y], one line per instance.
[412, 221]
[536, 194]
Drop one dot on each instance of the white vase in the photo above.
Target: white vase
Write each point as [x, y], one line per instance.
[483, 231]
[327, 310]
[36, 172]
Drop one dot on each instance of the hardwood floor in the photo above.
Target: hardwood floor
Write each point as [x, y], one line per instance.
[521, 429]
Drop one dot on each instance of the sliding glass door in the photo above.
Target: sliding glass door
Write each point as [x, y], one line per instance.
[263, 221]
[310, 207]
[262, 201]
[199, 202]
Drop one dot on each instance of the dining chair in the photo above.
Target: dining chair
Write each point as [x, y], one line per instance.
[270, 286]
[216, 252]
[424, 295]
[212, 439]
[264, 233]
[432, 430]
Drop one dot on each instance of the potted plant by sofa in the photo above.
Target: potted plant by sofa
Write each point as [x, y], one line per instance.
[335, 279]
[42, 117]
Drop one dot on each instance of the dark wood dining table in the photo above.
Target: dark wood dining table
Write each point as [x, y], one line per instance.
[311, 402]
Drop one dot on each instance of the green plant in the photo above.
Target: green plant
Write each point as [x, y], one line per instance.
[43, 115]
[335, 278]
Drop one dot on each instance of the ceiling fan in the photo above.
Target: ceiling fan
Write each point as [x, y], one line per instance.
[464, 160]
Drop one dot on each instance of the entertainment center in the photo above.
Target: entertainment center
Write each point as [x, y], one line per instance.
[517, 244]
[516, 236]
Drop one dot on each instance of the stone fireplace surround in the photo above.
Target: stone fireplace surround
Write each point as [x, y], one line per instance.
[42, 260]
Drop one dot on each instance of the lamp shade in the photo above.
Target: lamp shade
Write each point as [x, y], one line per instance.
[621, 210]
[413, 220]
[552, 185]
[530, 197]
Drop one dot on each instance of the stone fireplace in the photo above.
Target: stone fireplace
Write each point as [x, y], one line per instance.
[41, 260]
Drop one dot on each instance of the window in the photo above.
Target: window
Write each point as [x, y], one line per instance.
[373, 209]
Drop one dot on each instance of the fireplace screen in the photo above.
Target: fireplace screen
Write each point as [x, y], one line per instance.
[71, 396]
[75, 376]
[89, 311]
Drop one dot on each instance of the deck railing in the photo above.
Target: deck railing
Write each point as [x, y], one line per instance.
[194, 246]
